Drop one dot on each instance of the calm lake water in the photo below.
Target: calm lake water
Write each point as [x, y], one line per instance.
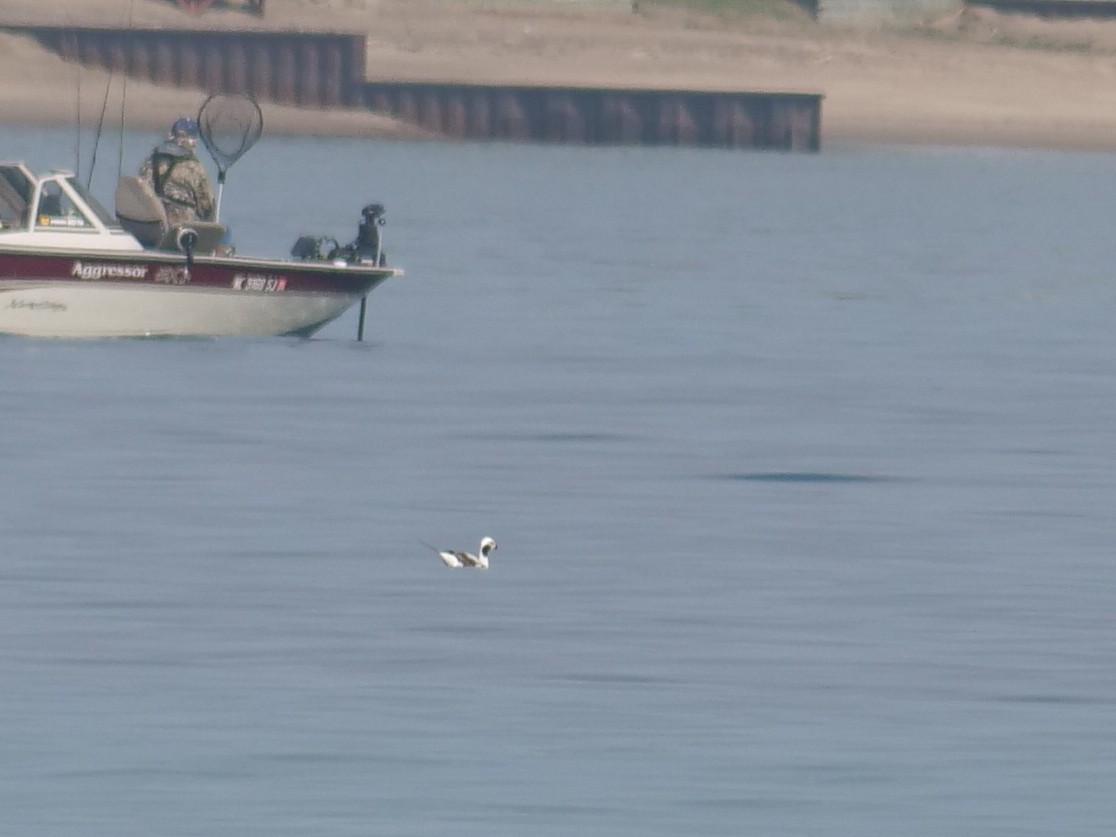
[802, 469]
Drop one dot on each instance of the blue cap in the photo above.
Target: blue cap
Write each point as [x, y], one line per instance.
[184, 125]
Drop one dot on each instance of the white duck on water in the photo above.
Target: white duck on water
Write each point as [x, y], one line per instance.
[453, 558]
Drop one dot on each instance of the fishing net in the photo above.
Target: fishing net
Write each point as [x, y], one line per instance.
[229, 125]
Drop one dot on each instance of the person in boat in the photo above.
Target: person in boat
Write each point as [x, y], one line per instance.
[178, 177]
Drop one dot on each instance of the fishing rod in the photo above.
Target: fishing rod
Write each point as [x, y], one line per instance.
[120, 143]
[100, 128]
[73, 43]
[123, 104]
[104, 109]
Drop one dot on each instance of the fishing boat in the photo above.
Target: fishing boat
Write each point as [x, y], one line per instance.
[70, 268]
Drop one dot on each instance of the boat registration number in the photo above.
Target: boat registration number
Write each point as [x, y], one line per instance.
[267, 282]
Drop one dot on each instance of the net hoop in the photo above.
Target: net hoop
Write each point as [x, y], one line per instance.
[229, 125]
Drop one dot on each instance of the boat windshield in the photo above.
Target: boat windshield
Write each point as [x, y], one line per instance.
[103, 215]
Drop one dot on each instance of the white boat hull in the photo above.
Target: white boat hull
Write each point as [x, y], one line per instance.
[84, 310]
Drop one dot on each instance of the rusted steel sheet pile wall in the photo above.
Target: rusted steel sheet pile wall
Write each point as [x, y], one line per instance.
[321, 70]
[871, 12]
[788, 121]
[307, 69]
[1053, 8]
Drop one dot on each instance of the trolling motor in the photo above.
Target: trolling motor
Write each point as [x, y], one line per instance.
[365, 249]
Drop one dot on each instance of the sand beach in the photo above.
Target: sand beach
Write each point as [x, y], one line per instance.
[969, 77]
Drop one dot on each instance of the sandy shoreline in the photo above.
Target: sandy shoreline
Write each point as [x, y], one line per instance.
[959, 81]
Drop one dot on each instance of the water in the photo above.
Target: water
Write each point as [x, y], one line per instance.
[801, 470]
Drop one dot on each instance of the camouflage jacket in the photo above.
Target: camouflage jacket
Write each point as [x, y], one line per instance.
[181, 182]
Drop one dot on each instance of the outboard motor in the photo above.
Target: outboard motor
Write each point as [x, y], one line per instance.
[365, 249]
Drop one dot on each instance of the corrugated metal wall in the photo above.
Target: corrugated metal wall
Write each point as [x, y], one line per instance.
[313, 69]
[1054, 8]
[787, 121]
[882, 11]
[325, 70]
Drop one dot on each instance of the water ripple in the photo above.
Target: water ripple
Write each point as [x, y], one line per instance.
[805, 477]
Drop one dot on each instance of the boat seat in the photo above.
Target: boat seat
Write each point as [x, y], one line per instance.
[140, 212]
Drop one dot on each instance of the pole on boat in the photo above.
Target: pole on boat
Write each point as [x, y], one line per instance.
[220, 191]
[229, 125]
[368, 236]
[360, 325]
